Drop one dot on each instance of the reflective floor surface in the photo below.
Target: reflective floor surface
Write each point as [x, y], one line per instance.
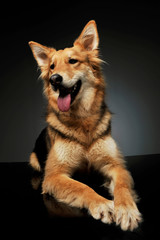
[25, 212]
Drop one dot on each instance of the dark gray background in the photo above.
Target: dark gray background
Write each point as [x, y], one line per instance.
[129, 43]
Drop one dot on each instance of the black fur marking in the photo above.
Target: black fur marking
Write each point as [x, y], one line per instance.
[40, 148]
[103, 110]
[108, 130]
[64, 136]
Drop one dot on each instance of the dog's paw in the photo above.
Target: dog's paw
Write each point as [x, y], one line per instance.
[127, 216]
[103, 210]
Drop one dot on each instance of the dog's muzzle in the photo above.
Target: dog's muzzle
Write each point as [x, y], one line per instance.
[66, 95]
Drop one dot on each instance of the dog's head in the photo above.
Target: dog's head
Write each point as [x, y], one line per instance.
[71, 74]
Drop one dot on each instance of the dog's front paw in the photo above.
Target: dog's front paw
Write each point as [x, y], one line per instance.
[102, 209]
[127, 216]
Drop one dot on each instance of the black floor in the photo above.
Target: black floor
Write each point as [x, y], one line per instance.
[25, 212]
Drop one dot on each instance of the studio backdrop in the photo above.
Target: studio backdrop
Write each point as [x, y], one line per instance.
[129, 44]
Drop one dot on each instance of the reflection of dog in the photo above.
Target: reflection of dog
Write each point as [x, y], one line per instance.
[59, 209]
[79, 132]
[55, 208]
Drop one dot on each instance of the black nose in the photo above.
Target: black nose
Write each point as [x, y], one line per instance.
[56, 79]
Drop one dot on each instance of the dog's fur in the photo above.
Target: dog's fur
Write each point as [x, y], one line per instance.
[79, 131]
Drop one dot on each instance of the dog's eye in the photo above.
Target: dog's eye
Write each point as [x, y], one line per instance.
[73, 61]
[52, 66]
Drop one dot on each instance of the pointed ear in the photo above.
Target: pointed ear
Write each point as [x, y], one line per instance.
[40, 53]
[88, 38]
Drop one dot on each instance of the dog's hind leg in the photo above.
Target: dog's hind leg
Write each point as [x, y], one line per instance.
[34, 162]
[39, 155]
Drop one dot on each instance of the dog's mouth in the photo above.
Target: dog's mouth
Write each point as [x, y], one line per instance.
[67, 95]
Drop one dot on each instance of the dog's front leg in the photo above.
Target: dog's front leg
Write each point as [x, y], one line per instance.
[127, 214]
[57, 182]
[77, 194]
[109, 161]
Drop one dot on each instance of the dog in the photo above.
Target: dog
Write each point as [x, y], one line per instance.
[78, 132]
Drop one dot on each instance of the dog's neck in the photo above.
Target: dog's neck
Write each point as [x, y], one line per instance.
[80, 124]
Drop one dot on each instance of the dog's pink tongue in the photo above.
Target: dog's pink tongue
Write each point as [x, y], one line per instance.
[64, 103]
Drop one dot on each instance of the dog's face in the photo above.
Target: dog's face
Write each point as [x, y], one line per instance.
[72, 74]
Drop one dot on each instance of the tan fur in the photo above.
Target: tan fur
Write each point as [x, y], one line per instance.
[82, 134]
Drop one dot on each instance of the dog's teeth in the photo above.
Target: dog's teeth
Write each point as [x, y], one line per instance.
[74, 88]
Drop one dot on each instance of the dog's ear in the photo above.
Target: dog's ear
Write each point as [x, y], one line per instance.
[40, 53]
[88, 38]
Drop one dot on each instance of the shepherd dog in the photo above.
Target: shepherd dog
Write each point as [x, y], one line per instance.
[78, 132]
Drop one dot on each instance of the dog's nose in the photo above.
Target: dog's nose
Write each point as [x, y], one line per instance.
[56, 79]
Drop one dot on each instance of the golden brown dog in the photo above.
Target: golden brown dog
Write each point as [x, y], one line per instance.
[79, 130]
